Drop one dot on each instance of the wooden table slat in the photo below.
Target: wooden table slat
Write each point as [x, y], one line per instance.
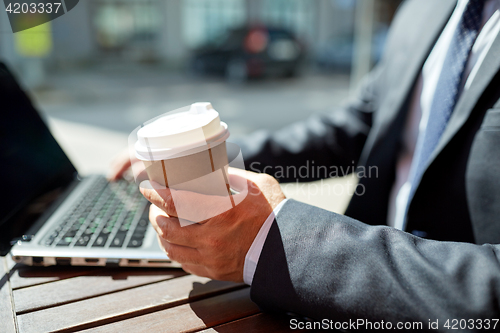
[260, 322]
[123, 304]
[188, 317]
[7, 316]
[25, 276]
[83, 287]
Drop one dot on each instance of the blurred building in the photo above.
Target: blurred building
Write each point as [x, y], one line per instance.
[165, 32]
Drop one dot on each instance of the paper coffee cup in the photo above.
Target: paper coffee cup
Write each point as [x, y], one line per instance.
[187, 150]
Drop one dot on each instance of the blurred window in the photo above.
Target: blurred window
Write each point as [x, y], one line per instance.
[297, 16]
[206, 20]
[126, 24]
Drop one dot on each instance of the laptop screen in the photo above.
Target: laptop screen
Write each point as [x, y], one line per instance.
[34, 170]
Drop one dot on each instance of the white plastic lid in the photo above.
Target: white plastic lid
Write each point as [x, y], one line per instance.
[181, 133]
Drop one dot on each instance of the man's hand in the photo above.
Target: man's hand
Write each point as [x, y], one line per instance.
[122, 163]
[215, 248]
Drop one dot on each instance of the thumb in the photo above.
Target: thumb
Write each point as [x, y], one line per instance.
[240, 180]
[190, 206]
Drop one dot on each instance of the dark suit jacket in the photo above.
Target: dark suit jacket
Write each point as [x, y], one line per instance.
[324, 265]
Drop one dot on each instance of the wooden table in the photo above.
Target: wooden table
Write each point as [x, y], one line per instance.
[68, 299]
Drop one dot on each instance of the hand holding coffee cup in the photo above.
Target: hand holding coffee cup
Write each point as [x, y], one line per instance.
[187, 151]
[187, 164]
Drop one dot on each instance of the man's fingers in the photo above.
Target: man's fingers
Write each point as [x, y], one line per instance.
[159, 195]
[196, 270]
[190, 206]
[258, 183]
[139, 172]
[116, 171]
[179, 253]
[170, 229]
[243, 173]
[119, 165]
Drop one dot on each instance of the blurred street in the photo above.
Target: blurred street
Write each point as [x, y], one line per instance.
[121, 98]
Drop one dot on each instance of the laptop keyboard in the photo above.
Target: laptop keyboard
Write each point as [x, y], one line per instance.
[108, 215]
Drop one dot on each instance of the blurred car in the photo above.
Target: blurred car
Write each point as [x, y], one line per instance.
[250, 52]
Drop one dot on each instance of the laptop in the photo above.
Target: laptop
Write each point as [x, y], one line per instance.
[49, 215]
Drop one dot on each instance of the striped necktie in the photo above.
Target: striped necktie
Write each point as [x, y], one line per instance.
[447, 90]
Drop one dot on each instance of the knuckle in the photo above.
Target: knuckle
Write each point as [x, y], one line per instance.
[215, 243]
[148, 195]
[162, 230]
[163, 227]
[169, 203]
[158, 222]
[266, 179]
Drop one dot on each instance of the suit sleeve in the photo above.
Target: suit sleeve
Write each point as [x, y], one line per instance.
[327, 139]
[323, 265]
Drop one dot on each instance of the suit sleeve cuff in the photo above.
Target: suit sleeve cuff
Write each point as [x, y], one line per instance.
[253, 254]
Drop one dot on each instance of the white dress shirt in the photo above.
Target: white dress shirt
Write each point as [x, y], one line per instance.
[417, 117]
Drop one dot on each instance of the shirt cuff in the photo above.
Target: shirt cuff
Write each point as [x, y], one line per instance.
[253, 254]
